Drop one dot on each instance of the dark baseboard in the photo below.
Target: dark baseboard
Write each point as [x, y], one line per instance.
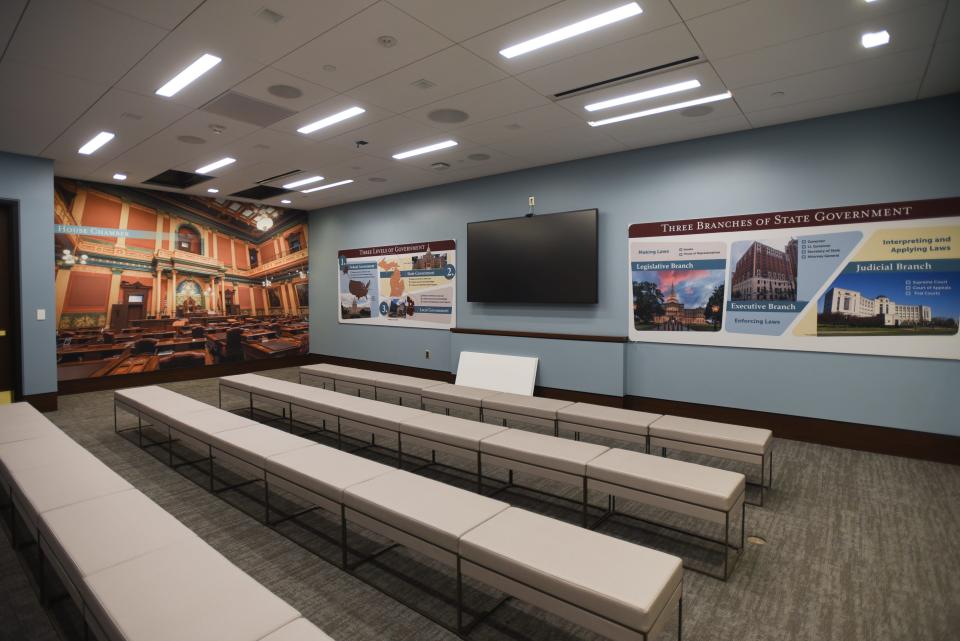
[182, 374]
[854, 436]
[46, 402]
[928, 446]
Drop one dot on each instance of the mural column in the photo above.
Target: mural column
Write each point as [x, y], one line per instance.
[211, 299]
[124, 218]
[63, 279]
[157, 289]
[172, 296]
[253, 300]
[223, 294]
[114, 288]
[292, 297]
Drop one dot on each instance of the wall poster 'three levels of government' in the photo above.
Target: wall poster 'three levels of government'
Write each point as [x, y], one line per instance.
[879, 279]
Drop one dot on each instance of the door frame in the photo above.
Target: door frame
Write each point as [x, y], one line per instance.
[12, 208]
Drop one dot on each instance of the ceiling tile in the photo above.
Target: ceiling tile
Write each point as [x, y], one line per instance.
[656, 15]
[81, 39]
[916, 27]
[560, 145]
[238, 28]
[451, 71]
[132, 117]
[615, 60]
[894, 69]
[327, 108]
[763, 23]
[10, 12]
[352, 48]
[950, 28]
[490, 101]
[258, 86]
[461, 19]
[715, 127]
[693, 8]
[522, 123]
[384, 137]
[874, 97]
[166, 14]
[48, 101]
[943, 74]
[172, 56]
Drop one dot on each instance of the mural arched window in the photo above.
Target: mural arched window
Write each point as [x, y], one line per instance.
[188, 240]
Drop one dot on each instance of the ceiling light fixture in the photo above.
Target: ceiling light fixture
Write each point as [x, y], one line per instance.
[331, 185]
[425, 150]
[575, 29]
[213, 190]
[200, 66]
[223, 162]
[660, 110]
[875, 39]
[286, 202]
[304, 181]
[119, 176]
[644, 95]
[96, 142]
[331, 120]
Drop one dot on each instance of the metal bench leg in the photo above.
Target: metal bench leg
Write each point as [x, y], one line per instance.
[399, 450]
[291, 417]
[344, 552]
[459, 597]
[139, 430]
[251, 404]
[680, 619]
[210, 454]
[266, 501]
[479, 473]
[585, 517]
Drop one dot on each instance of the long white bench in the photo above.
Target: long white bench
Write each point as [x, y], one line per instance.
[733, 442]
[681, 488]
[723, 440]
[434, 518]
[369, 383]
[135, 572]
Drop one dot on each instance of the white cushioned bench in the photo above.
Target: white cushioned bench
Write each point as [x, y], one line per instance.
[623, 591]
[610, 422]
[723, 440]
[686, 488]
[463, 398]
[135, 572]
[369, 383]
[535, 410]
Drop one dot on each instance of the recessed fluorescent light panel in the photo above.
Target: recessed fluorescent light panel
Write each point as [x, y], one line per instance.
[331, 120]
[200, 66]
[644, 95]
[572, 30]
[330, 186]
[96, 142]
[660, 110]
[223, 162]
[875, 39]
[425, 150]
[300, 183]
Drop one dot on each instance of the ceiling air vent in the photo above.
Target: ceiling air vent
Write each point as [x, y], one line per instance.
[248, 110]
[260, 192]
[178, 179]
[627, 76]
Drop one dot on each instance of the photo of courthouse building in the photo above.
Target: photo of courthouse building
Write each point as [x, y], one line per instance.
[887, 312]
[765, 273]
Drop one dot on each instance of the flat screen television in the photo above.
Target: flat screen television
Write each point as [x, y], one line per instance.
[547, 258]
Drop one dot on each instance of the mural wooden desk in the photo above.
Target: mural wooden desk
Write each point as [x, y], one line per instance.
[90, 352]
[270, 349]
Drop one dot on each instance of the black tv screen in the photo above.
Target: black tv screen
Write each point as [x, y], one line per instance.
[547, 258]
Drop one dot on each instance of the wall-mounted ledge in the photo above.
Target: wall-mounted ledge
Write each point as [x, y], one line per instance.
[547, 335]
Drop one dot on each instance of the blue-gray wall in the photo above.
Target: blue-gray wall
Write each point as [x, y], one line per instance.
[902, 152]
[28, 182]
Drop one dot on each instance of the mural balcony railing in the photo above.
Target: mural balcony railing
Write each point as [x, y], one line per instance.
[276, 264]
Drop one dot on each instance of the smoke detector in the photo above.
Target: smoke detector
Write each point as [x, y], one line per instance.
[387, 41]
[440, 166]
[218, 129]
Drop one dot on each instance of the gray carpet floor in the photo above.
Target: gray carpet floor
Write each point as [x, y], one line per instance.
[856, 546]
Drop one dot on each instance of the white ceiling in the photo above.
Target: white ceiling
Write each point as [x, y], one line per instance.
[71, 68]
